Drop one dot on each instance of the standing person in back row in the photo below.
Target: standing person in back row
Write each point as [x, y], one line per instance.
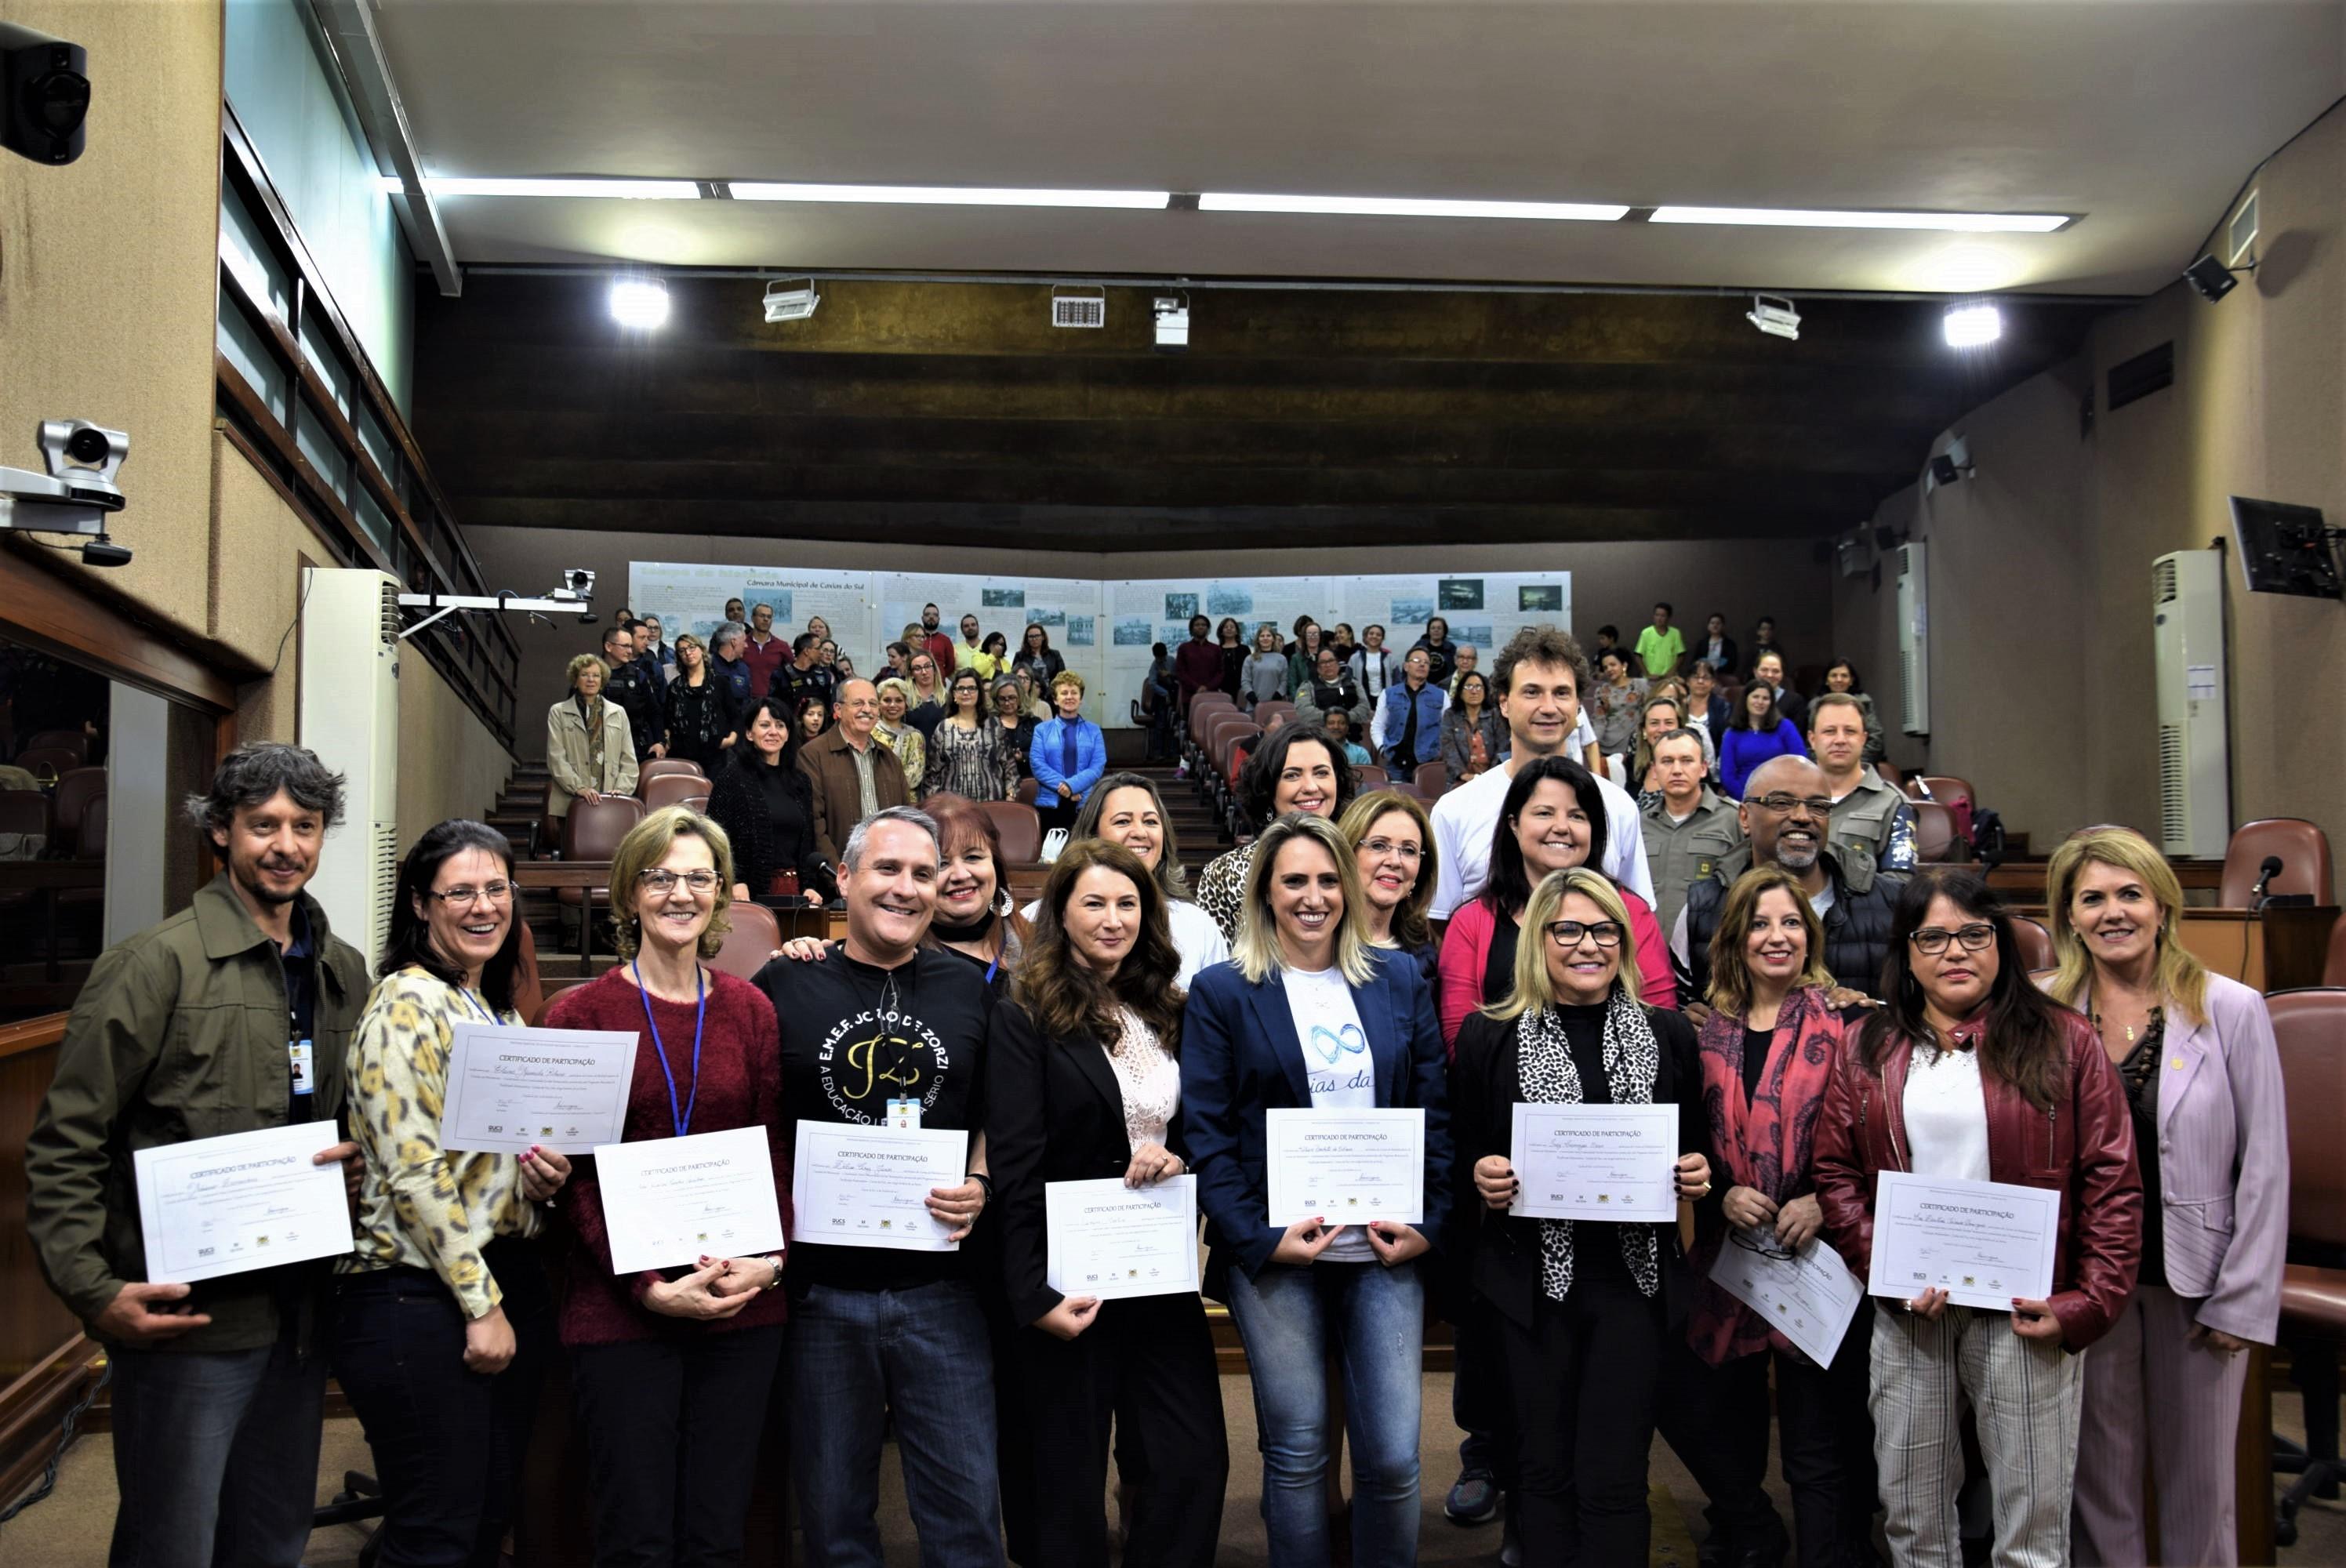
[1408, 721]
[1440, 653]
[765, 653]
[1069, 755]
[852, 773]
[636, 691]
[232, 1015]
[1868, 815]
[1661, 646]
[1197, 663]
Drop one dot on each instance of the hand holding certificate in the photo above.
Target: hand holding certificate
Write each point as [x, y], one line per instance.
[511, 1089]
[248, 1201]
[1349, 1167]
[1983, 1243]
[1808, 1295]
[1112, 1241]
[670, 1202]
[1595, 1162]
[868, 1186]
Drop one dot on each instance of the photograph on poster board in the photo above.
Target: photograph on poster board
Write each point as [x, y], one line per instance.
[1412, 613]
[1460, 593]
[1051, 617]
[1471, 634]
[1079, 631]
[1135, 634]
[1180, 607]
[1002, 599]
[1228, 599]
[1540, 599]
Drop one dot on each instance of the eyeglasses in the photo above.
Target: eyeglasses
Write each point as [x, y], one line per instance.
[659, 881]
[1782, 804]
[1569, 932]
[1383, 847]
[1764, 1243]
[1974, 939]
[465, 897]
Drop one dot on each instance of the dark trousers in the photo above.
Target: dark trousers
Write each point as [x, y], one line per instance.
[1055, 812]
[216, 1454]
[1584, 1377]
[1149, 1365]
[447, 1442]
[672, 1427]
[1480, 1401]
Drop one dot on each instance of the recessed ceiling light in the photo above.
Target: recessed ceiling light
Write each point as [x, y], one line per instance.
[1972, 326]
[1826, 218]
[630, 190]
[944, 195]
[1410, 207]
[639, 302]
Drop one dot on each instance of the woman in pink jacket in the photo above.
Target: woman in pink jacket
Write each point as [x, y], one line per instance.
[2195, 1053]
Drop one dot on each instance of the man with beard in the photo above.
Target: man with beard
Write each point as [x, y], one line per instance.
[1787, 816]
[935, 638]
[230, 1016]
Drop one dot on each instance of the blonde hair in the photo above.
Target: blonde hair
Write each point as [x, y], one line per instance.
[900, 686]
[1730, 964]
[584, 663]
[2180, 977]
[645, 847]
[1067, 678]
[1533, 988]
[1256, 950]
[1409, 925]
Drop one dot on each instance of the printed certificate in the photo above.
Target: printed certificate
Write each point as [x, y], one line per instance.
[510, 1087]
[1109, 1240]
[868, 1186]
[1807, 1297]
[248, 1201]
[1352, 1167]
[1595, 1162]
[1981, 1242]
[668, 1202]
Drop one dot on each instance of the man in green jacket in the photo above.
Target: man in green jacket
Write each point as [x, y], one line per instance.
[233, 1014]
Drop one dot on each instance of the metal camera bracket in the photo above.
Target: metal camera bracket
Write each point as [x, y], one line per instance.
[78, 493]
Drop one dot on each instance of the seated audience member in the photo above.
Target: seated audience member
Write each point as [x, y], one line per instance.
[652, 651]
[1069, 755]
[1392, 845]
[702, 718]
[1586, 1309]
[637, 692]
[1551, 819]
[765, 653]
[1538, 677]
[1197, 663]
[1338, 728]
[853, 774]
[1968, 1072]
[1305, 1292]
[1409, 722]
[1291, 769]
[1763, 642]
[927, 709]
[968, 755]
[1840, 679]
[1125, 809]
[1303, 655]
[893, 732]
[1715, 648]
[1017, 726]
[1706, 709]
[1095, 1007]
[1375, 666]
[2162, 1396]
[1757, 734]
[1637, 773]
[1331, 689]
[725, 644]
[1674, 686]
[1688, 831]
[232, 1015]
[590, 752]
[1768, 671]
[1869, 816]
[443, 1321]
[1660, 646]
[1786, 821]
[764, 799]
[1037, 658]
[1440, 653]
[657, 1363]
[1617, 700]
[1263, 677]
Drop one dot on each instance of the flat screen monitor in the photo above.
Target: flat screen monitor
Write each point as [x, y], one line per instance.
[2285, 549]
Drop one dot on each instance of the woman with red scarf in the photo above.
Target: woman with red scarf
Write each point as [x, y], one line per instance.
[1768, 1053]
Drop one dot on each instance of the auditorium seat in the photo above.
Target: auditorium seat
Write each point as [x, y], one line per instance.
[695, 803]
[1276, 704]
[754, 936]
[2035, 944]
[72, 741]
[592, 831]
[2304, 851]
[25, 811]
[47, 762]
[529, 985]
[2309, 1028]
[1431, 779]
[672, 789]
[2333, 968]
[1020, 828]
[1934, 832]
[1029, 791]
[1371, 776]
[75, 789]
[552, 991]
[665, 767]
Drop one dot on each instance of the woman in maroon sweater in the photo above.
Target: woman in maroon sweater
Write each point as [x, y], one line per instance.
[663, 1366]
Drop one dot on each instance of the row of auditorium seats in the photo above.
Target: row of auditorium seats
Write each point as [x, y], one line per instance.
[69, 817]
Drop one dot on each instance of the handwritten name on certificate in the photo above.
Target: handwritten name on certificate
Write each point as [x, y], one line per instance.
[1111, 1240]
[868, 1186]
[1809, 1296]
[248, 1201]
[1981, 1242]
[670, 1202]
[1595, 1162]
[1352, 1166]
[511, 1088]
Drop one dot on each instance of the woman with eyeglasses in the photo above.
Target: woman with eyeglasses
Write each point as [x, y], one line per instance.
[766, 807]
[1767, 1051]
[2195, 1056]
[671, 1367]
[1968, 1071]
[1586, 1307]
[1392, 845]
[443, 1316]
[1309, 1016]
[967, 753]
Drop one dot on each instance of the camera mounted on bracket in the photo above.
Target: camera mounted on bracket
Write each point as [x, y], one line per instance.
[78, 493]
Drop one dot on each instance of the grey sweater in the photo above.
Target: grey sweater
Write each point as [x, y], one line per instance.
[1262, 677]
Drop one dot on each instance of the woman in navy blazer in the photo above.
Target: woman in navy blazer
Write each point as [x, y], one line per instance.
[2196, 1055]
[1309, 1016]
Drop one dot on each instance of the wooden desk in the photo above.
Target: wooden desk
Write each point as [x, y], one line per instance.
[2271, 951]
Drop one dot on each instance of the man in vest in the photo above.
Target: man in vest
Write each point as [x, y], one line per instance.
[1868, 815]
[1689, 831]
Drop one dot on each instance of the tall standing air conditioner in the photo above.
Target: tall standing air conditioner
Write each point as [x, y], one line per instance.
[2186, 615]
[1913, 640]
[350, 717]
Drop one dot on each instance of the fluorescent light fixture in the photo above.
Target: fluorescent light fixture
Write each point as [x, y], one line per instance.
[640, 304]
[944, 195]
[1823, 217]
[629, 189]
[1972, 326]
[1410, 207]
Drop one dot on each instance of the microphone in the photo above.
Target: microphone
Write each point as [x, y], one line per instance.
[2265, 873]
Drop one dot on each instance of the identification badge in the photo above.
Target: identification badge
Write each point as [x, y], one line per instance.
[300, 1056]
[905, 1114]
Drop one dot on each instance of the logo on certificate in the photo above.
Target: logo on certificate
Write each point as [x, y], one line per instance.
[1970, 1280]
[1604, 1198]
[260, 1241]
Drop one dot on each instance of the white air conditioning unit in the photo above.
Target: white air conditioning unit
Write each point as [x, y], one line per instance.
[350, 717]
[2187, 615]
[1914, 640]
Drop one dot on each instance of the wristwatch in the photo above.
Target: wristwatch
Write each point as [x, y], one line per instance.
[984, 1181]
[776, 1265]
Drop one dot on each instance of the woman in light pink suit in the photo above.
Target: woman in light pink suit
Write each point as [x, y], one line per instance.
[2202, 1076]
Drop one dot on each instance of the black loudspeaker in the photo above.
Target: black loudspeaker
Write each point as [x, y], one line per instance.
[47, 81]
[1944, 470]
[2210, 279]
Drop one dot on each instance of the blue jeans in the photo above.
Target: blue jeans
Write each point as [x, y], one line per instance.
[1374, 1316]
[216, 1456]
[855, 1355]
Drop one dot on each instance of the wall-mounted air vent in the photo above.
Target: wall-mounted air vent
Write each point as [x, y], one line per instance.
[1084, 310]
[2242, 235]
[2142, 375]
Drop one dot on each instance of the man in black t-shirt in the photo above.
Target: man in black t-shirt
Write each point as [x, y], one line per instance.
[880, 1019]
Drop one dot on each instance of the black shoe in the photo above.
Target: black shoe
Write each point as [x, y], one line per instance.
[1475, 1500]
[1764, 1546]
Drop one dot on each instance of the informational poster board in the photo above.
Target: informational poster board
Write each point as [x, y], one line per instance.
[1067, 608]
[689, 597]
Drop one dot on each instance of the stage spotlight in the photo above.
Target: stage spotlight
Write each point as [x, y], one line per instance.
[640, 303]
[1972, 326]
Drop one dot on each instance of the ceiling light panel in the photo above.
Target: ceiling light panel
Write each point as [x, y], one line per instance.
[1407, 206]
[626, 190]
[945, 194]
[1827, 217]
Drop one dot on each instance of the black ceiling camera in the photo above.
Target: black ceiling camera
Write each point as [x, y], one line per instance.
[47, 84]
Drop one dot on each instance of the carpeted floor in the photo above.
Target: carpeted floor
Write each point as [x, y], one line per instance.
[69, 1530]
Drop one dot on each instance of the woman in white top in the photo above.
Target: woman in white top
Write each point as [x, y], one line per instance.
[1083, 1082]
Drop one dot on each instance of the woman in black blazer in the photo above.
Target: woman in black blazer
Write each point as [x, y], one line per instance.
[1083, 1082]
[1584, 1306]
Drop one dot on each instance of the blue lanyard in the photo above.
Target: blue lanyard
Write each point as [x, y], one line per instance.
[475, 1004]
[681, 1120]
